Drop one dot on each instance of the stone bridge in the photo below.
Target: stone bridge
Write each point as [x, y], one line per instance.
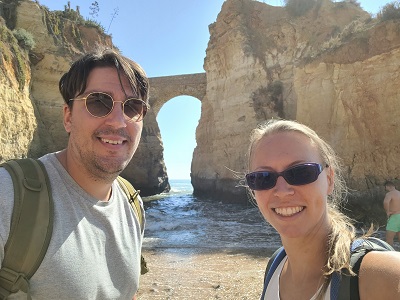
[165, 88]
[147, 167]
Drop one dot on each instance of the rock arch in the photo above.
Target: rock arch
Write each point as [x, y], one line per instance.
[165, 88]
[147, 169]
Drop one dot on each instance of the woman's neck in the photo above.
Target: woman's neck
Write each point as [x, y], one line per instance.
[303, 272]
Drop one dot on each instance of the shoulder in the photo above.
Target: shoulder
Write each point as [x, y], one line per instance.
[379, 276]
[389, 194]
[388, 197]
[6, 207]
[49, 159]
[6, 188]
[5, 175]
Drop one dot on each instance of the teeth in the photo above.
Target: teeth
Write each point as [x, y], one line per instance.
[112, 142]
[288, 211]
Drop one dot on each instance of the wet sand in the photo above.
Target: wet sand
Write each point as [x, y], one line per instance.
[203, 274]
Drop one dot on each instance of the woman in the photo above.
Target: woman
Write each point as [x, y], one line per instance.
[294, 177]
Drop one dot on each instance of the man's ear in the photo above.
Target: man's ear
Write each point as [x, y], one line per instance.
[67, 116]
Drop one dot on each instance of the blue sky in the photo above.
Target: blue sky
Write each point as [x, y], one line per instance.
[168, 37]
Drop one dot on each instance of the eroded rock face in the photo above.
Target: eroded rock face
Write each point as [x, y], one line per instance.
[333, 69]
[31, 118]
[16, 109]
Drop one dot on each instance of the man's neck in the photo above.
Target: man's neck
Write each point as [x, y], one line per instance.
[96, 187]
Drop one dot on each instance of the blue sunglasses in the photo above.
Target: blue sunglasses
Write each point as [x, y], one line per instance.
[296, 175]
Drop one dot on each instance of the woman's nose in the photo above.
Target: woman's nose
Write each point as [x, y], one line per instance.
[282, 188]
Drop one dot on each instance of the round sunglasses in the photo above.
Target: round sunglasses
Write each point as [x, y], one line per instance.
[100, 105]
[297, 175]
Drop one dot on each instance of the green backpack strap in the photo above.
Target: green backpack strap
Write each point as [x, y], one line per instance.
[31, 225]
[133, 198]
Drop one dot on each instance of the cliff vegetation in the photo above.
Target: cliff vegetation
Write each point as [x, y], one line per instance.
[327, 64]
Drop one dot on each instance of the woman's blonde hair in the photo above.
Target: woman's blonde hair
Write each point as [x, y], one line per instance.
[342, 230]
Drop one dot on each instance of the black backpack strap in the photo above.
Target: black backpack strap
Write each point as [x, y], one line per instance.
[31, 225]
[273, 263]
[349, 288]
[133, 198]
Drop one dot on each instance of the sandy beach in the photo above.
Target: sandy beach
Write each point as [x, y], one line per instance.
[204, 249]
[187, 273]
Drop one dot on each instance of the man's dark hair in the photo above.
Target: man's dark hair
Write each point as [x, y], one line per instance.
[73, 83]
[389, 183]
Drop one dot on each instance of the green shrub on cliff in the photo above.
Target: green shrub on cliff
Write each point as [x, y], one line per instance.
[298, 8]
[11, 52]
[70, 14]
[56, 23]
[7, 39]
[77, 36]
[19, 66]
[95, 24]
[355, 2]
[390, 11]
[24, 38]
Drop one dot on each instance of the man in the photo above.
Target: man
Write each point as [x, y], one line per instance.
[95, 249]
[391, 203]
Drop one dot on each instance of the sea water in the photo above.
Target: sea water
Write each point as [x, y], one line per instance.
[178, 219]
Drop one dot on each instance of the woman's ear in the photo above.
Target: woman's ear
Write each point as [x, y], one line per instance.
[67, 116]
[330, 175]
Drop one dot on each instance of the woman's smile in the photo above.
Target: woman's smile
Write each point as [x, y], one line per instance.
[288, 211]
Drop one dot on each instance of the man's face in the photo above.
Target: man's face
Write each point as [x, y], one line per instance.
[388, 188]
[103, 146]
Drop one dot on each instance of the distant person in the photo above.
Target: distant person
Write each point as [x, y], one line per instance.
[95, 247]
[294, 177]
[391, 203]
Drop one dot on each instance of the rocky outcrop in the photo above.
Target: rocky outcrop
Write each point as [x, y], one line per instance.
[16, 107]
[31, 112]
[334, 69]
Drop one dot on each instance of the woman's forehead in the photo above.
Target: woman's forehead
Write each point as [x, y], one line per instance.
[289, 144]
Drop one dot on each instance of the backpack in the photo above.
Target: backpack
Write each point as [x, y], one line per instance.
[28, 240]
[343, 286]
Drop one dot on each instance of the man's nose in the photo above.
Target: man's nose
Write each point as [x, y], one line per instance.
[117, 117]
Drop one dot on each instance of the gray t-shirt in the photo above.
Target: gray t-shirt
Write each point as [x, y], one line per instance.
[95, 249]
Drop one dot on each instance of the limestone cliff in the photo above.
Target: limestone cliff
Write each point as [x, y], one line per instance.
[334, 69]
[16, 108]
[31, 105]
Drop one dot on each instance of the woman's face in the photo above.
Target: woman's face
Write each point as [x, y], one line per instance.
[294, 211]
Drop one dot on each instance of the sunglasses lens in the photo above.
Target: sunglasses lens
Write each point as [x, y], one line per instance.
[302, 174]
[297, 175]
[135, 109]
[99, 104]
[261, 180]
